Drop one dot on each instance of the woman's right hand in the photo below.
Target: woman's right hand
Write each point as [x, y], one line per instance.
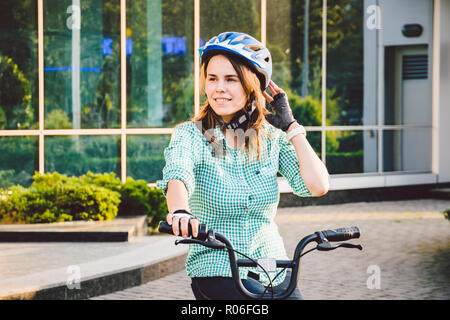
[180, 224]
[283, 116]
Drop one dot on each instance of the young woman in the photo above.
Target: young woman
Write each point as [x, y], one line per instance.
[221, 167]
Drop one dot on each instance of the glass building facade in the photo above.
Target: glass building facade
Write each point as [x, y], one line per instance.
[99, 85]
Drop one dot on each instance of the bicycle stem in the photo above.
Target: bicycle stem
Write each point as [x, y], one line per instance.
[295, 266]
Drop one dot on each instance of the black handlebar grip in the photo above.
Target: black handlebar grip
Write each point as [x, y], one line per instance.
[342, 234]
[164, 227]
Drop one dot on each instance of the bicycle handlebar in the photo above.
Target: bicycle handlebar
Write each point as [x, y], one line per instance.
[164, 227]
[341, 234]
[209, 238]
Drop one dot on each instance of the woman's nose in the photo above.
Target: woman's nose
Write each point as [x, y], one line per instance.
[220, 86]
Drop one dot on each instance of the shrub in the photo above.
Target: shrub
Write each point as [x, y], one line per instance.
[138, 198]
[5, 178]
[158, 206]
[134, 198]
[105, 180]
[55, 197]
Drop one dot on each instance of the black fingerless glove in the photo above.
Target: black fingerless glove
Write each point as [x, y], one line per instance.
[181, 213]
[283, 117]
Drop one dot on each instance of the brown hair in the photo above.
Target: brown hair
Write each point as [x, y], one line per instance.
[251, 84]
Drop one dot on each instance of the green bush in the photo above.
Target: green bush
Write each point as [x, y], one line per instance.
[447, 214]
[55, 197]
[345, 162]
[134, 198]
[5, 178]
[158, 206]
[138, 198]
[105, 180]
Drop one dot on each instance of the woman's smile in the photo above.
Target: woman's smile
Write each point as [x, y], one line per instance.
[222, 101]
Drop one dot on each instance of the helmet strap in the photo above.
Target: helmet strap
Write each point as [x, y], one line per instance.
[240, 120]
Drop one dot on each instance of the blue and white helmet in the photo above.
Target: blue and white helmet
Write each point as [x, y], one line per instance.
[244, 46]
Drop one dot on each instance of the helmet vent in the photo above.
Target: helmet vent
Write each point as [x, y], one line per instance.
[227, 36]
[239, 38]
[254, 47]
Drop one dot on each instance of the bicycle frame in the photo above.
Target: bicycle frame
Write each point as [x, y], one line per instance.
[292, 264]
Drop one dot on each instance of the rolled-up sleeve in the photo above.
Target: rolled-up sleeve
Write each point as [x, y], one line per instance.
[180, 160]
[290, 169]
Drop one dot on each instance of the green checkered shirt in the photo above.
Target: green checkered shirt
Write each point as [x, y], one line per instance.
[235, 198]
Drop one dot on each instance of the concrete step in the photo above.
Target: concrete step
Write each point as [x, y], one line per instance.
[440, 193]
[73, 271]
[116, 230]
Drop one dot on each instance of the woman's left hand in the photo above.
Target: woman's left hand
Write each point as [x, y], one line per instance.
[283, 117]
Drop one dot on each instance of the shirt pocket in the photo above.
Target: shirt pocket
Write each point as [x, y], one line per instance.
[268, 168]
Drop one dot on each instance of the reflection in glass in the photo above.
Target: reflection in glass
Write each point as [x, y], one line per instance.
[407, 90]
[407, 150]
[293, 53]
[82, 64]
[18, 65]
[315, 140]
[345, 62]
[218, 16]
[76, 155]
[160, 81]
[145, 156]
[351, 151]
[18, 160]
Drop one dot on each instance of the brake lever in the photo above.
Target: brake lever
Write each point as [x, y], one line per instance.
[327, 246]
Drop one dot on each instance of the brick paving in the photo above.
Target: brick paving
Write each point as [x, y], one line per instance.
[409, 241]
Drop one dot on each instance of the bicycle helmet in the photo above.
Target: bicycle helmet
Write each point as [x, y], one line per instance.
[254, 53]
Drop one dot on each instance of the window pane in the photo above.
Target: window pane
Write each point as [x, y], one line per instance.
[18, 65]
[345, 63]
[293, 53]
[82, 64]
[407, 150]
[145, 156]
[76, 155]
[351, 151]
[217, 16]
[315, 140]
[407, 86]
[160, 76]
[18, 160]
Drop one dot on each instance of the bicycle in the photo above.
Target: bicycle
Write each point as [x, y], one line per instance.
[217, 241]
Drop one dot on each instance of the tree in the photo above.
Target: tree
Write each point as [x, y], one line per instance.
[15, 96]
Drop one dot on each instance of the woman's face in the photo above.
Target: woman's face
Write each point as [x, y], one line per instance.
[224, 90]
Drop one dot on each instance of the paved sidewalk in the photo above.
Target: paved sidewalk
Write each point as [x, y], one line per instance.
[408, 242]
[55, 269]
